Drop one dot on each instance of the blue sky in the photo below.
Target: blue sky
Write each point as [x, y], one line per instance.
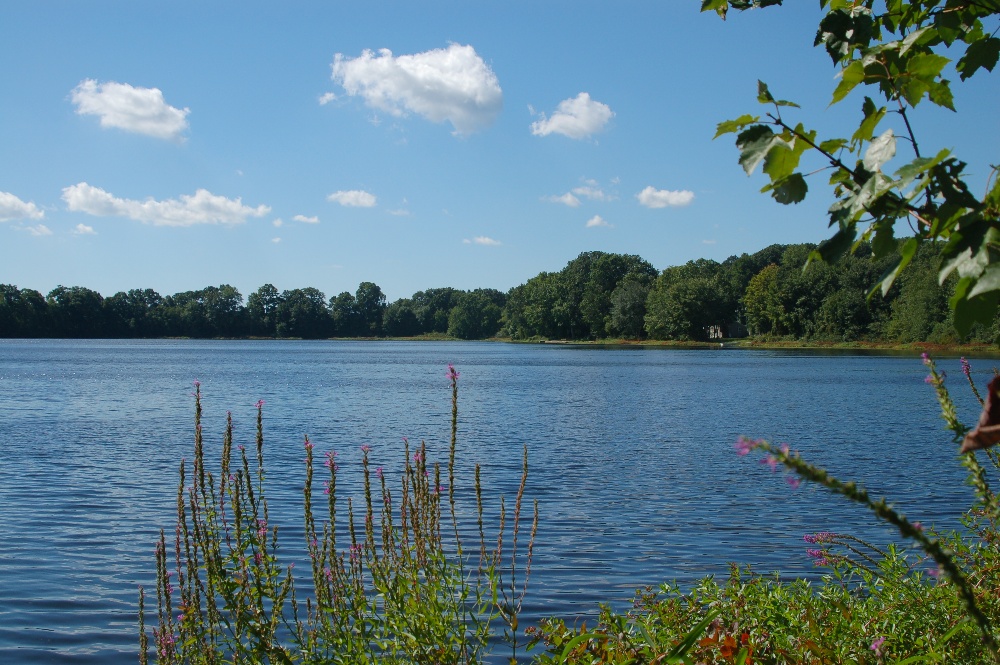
[178, 145]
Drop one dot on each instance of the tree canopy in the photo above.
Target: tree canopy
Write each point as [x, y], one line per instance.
[898, 51]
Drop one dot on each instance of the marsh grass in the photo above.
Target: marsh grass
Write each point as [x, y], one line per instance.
[398, 587]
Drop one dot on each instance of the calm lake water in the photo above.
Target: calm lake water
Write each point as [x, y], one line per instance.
[631, 456]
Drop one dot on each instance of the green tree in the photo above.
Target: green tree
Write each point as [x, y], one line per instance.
[303, 313]
[432, 308]
[133, 313]
[400, 320]
[477, 314]
[262, 308]
[370, 305]
[897, 52]
[77, 312]
[628, 307]
[23, 312]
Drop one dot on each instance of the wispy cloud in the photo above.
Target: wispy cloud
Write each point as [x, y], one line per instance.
[326, 98]
[566, 199]
[353, 198]
[306, 220]
[592, 192]
[277, 222]
[84, 230]
[578, 118]
[482, 240]
[443, 85]
[36, 230]
[597, 221]
[202, 207]
[138, 110]
[11, 207]
[663, 198]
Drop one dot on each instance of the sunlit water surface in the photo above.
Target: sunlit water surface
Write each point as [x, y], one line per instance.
[631, 458]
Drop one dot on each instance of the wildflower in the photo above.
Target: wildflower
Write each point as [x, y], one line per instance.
[918, 526]
[877, 645]
[929, 379]
[793, 482]
[355, 551]
[365, 448]
[452, 373]
[197, 383]
[259, 404]
[820, 537]
[378, 472]
[926, 358]
[417, 457]
[966, 368]
[771, 461]
[934, 572]
[309, 444]
[744, 446]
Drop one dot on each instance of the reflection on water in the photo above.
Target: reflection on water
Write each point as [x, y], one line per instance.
[631, 454]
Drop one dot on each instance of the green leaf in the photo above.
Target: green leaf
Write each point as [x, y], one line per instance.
[764, 97]
[732, 126]
[850, 77]
[982, 54]
[906, 253]
[873, 116]
[718, 6]
[753, 143]
[987, 282]
[832, 249]
[972, 310]
[790, 189]
[926, 65]
[880, 151]
[831, 146]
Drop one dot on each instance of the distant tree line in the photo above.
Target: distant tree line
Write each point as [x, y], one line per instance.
[78, 312]
[597, 295]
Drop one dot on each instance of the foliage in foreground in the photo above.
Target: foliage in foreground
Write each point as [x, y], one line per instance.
[874, 605]
[895, 50]
[402, 589]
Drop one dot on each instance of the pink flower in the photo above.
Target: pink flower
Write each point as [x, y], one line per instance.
[771, 461]
[821, 537]
[378, 472]
[877, 645]
[966, 368]
[793, 482]
[365, 448]
[744, 446]
[259, 404]
[309, 444]
[452, 373]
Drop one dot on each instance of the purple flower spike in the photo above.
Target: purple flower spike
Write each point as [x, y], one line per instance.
[259, 404]
[793, 482]
[877, 645]
[966, 368]
[365, 448]
[452, 373]
[744, 446]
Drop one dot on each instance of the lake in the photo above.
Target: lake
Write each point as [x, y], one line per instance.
[631, 458]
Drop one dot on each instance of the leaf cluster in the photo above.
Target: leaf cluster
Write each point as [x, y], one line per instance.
[898, 52]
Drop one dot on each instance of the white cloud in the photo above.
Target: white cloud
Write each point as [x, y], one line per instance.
[37, 230]
[597, 221]
[482, 240]
[12, 207]
[201, 208]
[353, 198]
[276, 223]
[399, 212]
[139, 110]
[565, 199]
[708, 242]
[662, 198]
[306, 220]
[326, 98]
[275, 240]
[592, 193]
[84, 230]
[452, 84]
[577, 118]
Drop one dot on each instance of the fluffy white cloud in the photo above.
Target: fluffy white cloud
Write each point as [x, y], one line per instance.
[482, 240]
[353, 198]
[597, 221]
[84, 230]
[577, 118]
[326, 98]
[566, 199]
[201, 208]
[452, 84]
[306, 220]
[139, 110]
[662, 198]
[12, 207]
